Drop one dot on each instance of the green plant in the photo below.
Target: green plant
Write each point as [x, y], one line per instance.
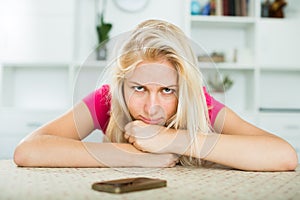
[103, 29]
[220, 85]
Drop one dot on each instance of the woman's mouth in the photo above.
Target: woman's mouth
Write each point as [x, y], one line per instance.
[153, 121]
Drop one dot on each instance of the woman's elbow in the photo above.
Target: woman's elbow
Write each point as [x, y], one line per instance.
[21, 155]
[289, 160]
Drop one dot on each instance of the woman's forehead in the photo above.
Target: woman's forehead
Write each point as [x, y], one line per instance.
[160, 73]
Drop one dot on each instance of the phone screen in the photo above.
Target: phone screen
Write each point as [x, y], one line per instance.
[128, 185]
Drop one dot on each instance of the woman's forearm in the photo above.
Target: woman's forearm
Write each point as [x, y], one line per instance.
[52, 151]
[261, 153]
[55, 151]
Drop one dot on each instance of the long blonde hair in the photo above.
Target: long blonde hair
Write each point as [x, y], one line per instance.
[154, 40]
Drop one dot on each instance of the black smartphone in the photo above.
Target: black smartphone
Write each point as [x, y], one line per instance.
[128, 185]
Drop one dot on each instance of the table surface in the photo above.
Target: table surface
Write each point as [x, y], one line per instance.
[182, 183]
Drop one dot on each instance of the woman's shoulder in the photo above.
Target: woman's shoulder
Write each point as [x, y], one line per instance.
[213, 106]
[98, 103]
[104, 89]
[207, 96]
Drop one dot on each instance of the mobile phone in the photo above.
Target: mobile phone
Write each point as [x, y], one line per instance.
[128, 185]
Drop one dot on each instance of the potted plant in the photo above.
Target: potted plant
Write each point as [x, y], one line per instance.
[103, 30]
[219, 86]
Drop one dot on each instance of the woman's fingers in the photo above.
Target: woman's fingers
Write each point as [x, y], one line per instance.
[131, 140]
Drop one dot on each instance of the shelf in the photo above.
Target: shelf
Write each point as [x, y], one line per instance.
[90, 64]
[279, 89]
[35, 87]
[94, 64]
[34, 64]
[272, 19]
[279, 110]
[275, 68]
[20, 122]
[226, 66]
[16, 110]
[227, 21]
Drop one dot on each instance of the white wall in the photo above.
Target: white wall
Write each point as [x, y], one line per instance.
[62, 31]
[169, 10]
[36, 30]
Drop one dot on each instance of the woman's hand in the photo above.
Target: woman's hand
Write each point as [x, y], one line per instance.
[158, 160]
[150, 138]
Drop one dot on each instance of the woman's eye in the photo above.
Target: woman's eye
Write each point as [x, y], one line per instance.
[168, 91]
[139, 88]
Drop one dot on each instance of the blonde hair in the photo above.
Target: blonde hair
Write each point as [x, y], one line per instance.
[154, 40]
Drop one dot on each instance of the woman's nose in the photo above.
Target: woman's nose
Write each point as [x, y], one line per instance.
[152, 105]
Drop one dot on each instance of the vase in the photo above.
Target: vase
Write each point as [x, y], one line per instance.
[101, 52]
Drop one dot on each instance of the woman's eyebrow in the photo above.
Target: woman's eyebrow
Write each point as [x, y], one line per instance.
[135, 83]
[164, 86]
[171, 86]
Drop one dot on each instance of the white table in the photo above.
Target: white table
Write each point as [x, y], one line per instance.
[182, 183]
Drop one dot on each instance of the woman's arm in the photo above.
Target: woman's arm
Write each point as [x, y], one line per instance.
[58, 144]
[55, 151]
[245, 146]
[241, 145]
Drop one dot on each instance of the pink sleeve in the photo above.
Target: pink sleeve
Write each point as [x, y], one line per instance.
[213, 105]
[98, 103]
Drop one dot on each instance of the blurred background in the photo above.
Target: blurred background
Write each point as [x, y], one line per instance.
[254, 45]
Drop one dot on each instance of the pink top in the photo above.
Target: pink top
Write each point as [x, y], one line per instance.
[98, 103]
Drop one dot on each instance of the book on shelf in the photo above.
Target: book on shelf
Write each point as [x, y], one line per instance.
[244, 7]
[219, 8]
[225, 8]
[231, 5]
[225, 5]
[237, 7]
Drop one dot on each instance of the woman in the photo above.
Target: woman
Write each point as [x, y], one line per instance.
[155, 113]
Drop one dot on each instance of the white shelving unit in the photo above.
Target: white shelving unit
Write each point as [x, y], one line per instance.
[265, 76]
[39, 48]
[229, 34]
[35, 93]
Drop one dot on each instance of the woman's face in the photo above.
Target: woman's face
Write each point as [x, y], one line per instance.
[150, 92]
